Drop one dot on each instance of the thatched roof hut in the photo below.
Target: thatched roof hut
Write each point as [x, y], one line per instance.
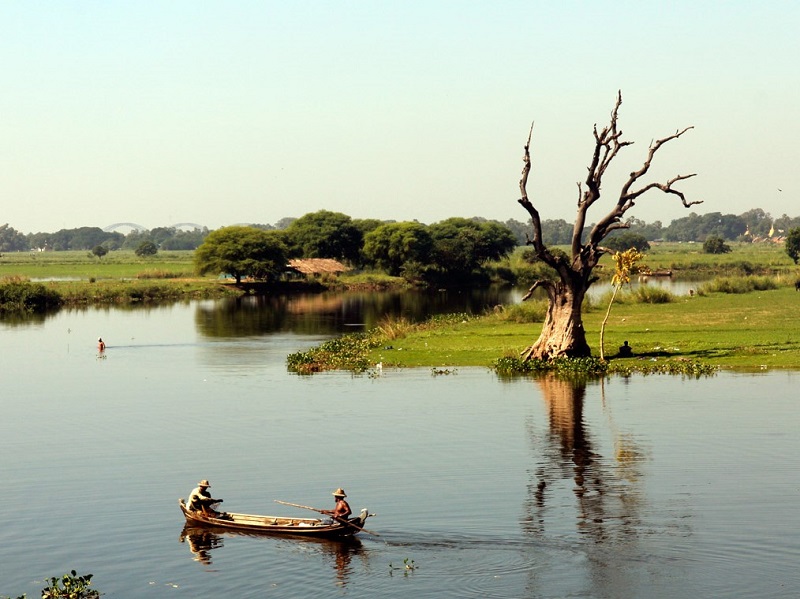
[317, 266]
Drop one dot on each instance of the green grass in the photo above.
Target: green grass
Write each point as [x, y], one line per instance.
[119, 264]
[744, 258]
[751, 331]
[688, 260]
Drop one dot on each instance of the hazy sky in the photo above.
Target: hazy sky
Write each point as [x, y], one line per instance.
[220, 113]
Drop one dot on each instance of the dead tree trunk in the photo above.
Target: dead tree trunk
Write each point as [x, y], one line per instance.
[563, 334]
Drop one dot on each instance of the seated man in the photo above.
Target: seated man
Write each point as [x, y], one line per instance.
[200, 500]
[625, 350]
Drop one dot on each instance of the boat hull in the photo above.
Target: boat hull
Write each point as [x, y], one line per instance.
[276, 525]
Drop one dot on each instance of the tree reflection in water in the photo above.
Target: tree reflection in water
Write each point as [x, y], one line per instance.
[332, 312]
[608, 493]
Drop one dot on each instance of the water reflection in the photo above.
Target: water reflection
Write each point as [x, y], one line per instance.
[336, 312]
[201, 541]
[338, 553]
[608, 493]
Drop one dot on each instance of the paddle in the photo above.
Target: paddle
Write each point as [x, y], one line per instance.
[327, 512]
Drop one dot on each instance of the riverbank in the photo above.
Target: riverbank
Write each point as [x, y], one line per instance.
[751, 331]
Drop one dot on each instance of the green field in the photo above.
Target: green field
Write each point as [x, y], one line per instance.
[119, 264]
[750, 331]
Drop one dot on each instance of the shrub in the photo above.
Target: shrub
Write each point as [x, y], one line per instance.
[160, 274]
[394, 327]
[715, 245]
[526, 312]
[740, 284]
[566, 367]
[349, 352]
[69, 586]
[146, 248]
[20, 295]
[627, 240]
[652, 294]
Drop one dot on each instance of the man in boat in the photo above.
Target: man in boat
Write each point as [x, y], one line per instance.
[200, 500]
[342, 509]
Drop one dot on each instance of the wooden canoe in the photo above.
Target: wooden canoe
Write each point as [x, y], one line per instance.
[277, 525]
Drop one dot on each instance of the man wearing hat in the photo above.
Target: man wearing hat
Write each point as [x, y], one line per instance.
[342, 510]
[200, 499]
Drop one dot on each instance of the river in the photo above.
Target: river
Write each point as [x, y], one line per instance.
[643, 487]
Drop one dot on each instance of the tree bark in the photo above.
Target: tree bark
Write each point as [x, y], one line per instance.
[562, 334]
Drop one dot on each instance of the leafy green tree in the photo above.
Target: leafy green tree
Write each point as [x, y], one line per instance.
[556, 231]
[241, 252]
[792, 244]
[785, 224]
[12, 240]
[715, 245]
[99, 251]
[627, 240]
[757, 221]
[461, 245]
[393, 245]
[146, 248]
[325, 234]
[518, 229]
[185, 240]
[285, 222]
[650, 231]
[698, 227]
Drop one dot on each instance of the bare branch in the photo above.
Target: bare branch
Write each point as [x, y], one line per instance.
[536, 242]
[636, 175]
[536, 284]
[526, 168]
[627, 197]
[666, 188]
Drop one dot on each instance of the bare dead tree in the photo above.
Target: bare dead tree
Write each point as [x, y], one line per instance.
[562, 332]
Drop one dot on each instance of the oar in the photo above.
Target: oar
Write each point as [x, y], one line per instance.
[327, 513]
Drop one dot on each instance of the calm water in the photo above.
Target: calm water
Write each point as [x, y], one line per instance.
[652, 487]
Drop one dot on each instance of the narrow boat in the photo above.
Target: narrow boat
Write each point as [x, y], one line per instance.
[277, 525]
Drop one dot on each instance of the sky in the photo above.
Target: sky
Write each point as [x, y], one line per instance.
[221, 113]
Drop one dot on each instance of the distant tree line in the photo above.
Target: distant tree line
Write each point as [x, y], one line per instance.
[89, 238]
[312, 236]
[751, 226]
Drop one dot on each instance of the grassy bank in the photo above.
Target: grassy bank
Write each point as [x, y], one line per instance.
[746, 331]
[80, 278]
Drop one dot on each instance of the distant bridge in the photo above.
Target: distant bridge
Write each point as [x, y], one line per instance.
[141, 229]
[188, 226]
[116, 226]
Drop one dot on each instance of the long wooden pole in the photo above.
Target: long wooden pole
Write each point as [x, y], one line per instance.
[327, 512]
[305, 507]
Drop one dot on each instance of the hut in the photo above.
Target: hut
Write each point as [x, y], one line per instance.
[315, 267]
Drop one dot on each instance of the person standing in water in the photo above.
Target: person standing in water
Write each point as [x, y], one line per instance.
[101, 345]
